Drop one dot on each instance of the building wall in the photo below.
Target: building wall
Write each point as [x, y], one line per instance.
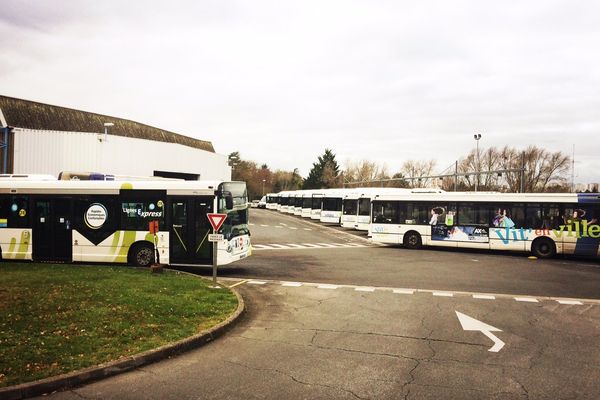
[50, 152]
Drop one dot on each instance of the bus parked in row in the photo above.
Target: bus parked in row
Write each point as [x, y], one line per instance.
[356, 207]
[541, 223]
[108, 221]
[544, 224]
[272, 200]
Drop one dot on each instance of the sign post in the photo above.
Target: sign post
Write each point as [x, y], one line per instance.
[216, 221]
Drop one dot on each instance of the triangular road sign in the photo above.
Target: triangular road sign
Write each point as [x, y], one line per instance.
[216, 220]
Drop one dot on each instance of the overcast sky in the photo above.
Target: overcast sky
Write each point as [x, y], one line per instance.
[280, 81]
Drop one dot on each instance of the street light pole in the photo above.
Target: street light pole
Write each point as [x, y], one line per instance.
[263, 187]
[477, 136]
[106, 126]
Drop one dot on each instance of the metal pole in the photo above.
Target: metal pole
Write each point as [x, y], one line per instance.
[477, 164]
[455, 175]
[5, 151]
[573, 171]
[522, 189]
[214, 260]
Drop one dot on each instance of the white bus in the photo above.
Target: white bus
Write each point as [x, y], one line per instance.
[543, 224]
[291, 203]
[332, 201]
[307, 197]
[108, 221]
[284, 199]
[316, 205]
[272, 200]
[298, 202]
[357, 208]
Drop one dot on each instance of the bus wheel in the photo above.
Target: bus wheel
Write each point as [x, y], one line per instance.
[543, 248]
[142, 255]
[412, 240]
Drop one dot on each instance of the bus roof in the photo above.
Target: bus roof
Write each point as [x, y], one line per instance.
[494, 197]
[107, 187]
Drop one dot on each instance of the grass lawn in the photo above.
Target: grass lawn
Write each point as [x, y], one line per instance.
[60, 318]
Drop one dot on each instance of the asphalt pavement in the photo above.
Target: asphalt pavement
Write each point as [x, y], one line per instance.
[330, 315]
[343, 343]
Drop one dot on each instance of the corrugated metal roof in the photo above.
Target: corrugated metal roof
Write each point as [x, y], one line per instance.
[39, 116]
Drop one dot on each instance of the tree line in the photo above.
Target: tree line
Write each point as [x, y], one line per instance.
[506, 169]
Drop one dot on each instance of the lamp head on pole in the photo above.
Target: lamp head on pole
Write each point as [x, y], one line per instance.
[477, 136]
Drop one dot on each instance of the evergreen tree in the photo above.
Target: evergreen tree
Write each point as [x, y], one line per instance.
[325, 172]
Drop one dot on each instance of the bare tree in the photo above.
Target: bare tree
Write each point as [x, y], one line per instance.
[542, 169]
[367, 172]
[481, 170]
[414, 169]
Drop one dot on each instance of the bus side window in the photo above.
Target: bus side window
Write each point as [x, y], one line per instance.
[533, 216]
[551, 216]
[483, 213]
[377, 212]
[466, 214]
[402, 213]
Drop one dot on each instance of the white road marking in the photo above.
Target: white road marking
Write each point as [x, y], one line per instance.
[296, 246]
[293, 228]
[404, 291]
[364, 289]
[307, 229]
[471, 324]
[261, 247]
[327, 244]
[327, 286]
[484, 296]
[310, 245]
[266, 226]
[527, 299]
[570, 302]
[281, 246]
[277, 226]
[475, 295]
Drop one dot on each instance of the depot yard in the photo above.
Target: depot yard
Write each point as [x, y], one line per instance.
[61, 318]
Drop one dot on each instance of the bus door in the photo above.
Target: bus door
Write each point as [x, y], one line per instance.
[52, 234]
[189, 230]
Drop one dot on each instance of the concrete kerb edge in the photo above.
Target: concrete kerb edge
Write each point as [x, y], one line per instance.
[78, 378]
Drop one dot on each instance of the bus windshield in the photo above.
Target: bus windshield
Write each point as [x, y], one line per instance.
[236, 223]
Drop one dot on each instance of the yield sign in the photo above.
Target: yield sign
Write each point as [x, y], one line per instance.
[216, 220]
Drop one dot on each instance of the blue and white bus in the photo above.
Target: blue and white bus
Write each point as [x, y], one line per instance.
[541, 223]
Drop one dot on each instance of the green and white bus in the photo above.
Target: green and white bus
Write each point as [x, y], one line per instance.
[108, 221]
[544, 224]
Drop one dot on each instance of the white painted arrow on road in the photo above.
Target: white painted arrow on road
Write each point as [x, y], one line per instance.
[471, 324]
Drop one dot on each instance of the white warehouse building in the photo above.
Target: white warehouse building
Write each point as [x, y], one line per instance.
[39, 138]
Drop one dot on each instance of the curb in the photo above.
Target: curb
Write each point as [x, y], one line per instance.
[78, 378]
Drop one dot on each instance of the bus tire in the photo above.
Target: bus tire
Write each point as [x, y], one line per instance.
[141, 255]
[412, 240]
[543, 248]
